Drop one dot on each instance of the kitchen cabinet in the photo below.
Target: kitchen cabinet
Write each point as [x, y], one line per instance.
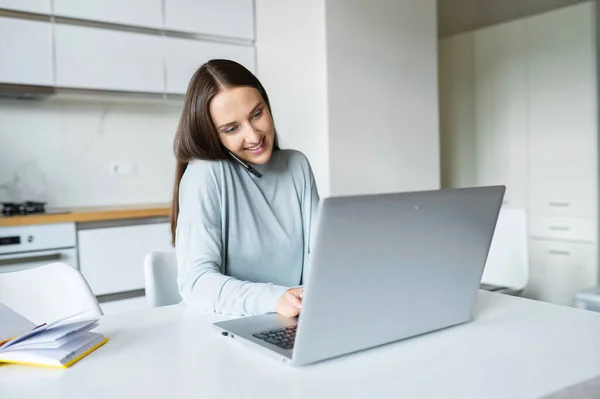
[230, 18]
[112, 258]
[570, 229]
[532, 100]
[94, 58]
[34, 6]
[27, 57]
[500, 101]
[562, 111]
[558, 270]
[147, 13]
[184, 56]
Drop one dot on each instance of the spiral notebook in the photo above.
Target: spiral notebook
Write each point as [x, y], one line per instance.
[61, 343]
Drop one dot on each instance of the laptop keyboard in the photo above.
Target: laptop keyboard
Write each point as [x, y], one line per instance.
[282, 337]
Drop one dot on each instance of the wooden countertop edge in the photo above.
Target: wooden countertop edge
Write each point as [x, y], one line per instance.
[90, 215]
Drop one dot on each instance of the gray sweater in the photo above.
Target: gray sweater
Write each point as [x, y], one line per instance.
[242, 241]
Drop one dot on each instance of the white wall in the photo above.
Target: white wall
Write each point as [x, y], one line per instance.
[383, 96]
[291, 64]
[60, 152]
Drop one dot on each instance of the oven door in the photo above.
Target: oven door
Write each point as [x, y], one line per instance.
[25, 260]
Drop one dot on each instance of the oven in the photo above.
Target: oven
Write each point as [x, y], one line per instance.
[23, 247]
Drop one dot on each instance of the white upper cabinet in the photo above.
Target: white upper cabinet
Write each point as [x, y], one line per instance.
[96, 58]
[562, 112]
[34, 6]
[500, 72]
[27, 57]
[184, 56]
[126, 12]
[231, 18]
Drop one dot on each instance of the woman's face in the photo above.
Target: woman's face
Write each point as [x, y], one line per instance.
[244, 123]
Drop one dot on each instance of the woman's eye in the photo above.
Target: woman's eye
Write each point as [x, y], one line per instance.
[230, 130]
[257, 114]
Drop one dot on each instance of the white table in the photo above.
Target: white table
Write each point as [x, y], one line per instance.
[514, 348]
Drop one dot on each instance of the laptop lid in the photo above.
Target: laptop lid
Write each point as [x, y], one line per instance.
[391, 266]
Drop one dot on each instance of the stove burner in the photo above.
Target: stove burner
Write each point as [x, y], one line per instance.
[24, 208]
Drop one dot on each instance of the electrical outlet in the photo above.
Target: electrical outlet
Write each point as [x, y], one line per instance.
[125, 168]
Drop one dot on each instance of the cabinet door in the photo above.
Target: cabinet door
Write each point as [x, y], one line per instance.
[232, 18]
[184, 56]
[34, 6]
[27, 57]
[112, 259]
[501, 110]
[457, 117]
[558, 270]
[96, 58]
[562, 112]
[127, 12]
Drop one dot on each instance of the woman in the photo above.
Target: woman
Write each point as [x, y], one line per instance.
[242, 207]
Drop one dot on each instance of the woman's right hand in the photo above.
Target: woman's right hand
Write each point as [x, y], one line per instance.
[290, 302]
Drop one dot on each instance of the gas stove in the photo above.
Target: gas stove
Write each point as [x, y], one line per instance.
[23, 208]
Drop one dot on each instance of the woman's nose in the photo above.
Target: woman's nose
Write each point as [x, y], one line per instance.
[252, 135]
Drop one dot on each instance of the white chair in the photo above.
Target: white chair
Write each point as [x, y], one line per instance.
[160, 275]
[507, 266]
[48, 293]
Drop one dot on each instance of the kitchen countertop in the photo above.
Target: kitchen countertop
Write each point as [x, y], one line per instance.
[92, 214]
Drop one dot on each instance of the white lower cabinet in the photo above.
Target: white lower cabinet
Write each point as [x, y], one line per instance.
[558, 270]
[112, 258]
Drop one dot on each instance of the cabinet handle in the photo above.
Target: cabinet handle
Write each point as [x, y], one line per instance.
[557, 252]
[559, 204]
[560, 228]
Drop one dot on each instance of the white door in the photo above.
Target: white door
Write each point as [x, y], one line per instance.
[34, 6]
[501, 110]
[184, 56]
[26, 57]
[96, 58]
[112, 258]
[127, 12]
[231, 18]
[562, 112]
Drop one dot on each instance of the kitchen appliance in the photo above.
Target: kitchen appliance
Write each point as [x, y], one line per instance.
[23, 247]
[27, 208]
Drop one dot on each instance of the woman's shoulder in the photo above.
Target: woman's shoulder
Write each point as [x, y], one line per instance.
[199, 166]
[202, 172]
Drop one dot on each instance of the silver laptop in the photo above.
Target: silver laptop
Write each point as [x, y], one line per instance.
[383, 268]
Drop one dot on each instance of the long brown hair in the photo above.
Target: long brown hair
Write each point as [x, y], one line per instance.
[197, 137]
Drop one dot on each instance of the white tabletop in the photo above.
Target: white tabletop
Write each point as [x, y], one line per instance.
[514, 348]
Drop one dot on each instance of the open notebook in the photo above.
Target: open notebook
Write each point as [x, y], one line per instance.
[58, 344]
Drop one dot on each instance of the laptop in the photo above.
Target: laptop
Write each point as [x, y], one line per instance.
[383, 268]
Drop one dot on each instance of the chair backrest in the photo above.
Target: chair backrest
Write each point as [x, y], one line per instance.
[48, 293]
[508, 260]
[160, 274]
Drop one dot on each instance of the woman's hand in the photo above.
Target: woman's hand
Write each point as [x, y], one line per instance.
[290, 302]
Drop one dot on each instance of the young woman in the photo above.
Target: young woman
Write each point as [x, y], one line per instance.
[242, 207]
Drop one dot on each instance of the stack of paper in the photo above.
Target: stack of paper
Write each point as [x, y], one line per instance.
[58, 344]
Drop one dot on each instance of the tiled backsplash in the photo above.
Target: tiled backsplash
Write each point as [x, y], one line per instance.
[61, 151]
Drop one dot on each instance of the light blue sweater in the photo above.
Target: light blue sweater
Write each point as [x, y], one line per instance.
[242, 241]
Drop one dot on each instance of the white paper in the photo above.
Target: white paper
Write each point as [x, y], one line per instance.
[12, 323]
